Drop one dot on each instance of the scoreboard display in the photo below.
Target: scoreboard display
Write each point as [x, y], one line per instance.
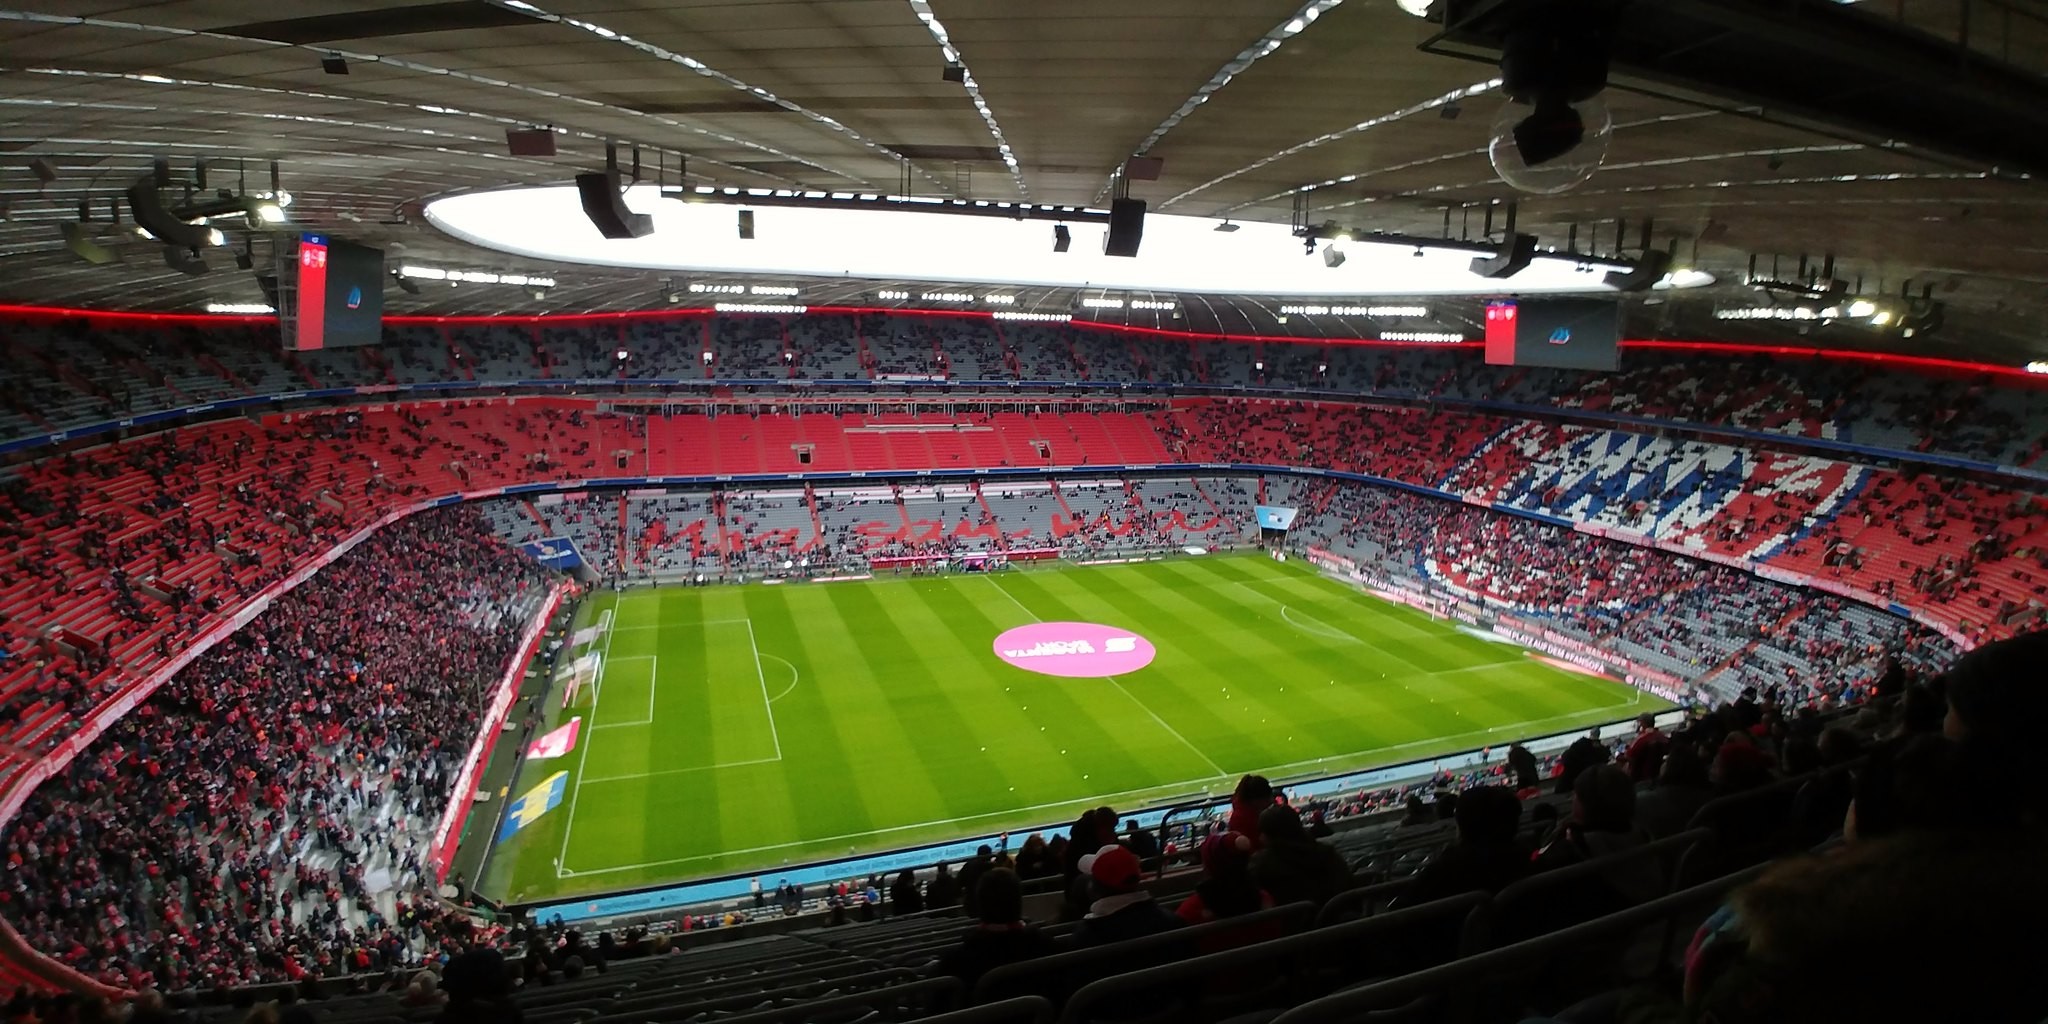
[1570, 334]
[340, 294]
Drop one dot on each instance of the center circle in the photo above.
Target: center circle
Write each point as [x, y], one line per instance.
[1074, 650]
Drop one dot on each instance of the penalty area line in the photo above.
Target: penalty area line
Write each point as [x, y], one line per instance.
[1078, 801]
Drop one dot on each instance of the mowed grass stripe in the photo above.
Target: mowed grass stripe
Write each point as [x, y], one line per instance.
[899, 692]
[629, 820]
[1500, 675]
[1177, 687]
[1069, 711]
[912, 688]
[1011, 757]
[1372, 683]
[851, 760]
[1249, 671]
[816, 779]
[1425, 652]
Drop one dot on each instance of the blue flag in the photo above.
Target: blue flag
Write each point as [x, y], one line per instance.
[535, 802]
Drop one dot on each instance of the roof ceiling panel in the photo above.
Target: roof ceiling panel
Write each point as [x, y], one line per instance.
[1074, 85]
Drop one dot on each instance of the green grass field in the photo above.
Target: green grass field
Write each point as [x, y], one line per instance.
[741, 728]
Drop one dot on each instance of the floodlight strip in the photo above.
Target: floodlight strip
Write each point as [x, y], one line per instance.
[1466, 92]
[701, 68]
[425, 69]
[1261, 48]
[932, 24]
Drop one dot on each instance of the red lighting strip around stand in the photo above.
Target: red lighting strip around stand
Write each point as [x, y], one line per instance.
[1734, 349]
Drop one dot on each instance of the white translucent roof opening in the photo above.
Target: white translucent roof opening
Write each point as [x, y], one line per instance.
[1179, 254]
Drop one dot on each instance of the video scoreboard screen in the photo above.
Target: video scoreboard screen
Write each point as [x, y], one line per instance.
[1274, 517]
[1570, 334]
[340, 294]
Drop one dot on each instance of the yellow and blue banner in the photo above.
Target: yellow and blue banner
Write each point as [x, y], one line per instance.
[535, 802]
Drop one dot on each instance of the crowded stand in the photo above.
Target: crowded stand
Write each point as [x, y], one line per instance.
[263, 816]
[1521, 886]
[194, 845]
[1724, 629]
[114, 369]
[123, 550]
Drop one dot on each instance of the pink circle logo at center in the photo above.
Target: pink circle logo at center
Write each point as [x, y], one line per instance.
[1075, 650]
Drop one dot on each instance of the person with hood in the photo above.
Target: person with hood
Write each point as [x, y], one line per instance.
[1251, 798]
[1122, 908]
[1292, 867]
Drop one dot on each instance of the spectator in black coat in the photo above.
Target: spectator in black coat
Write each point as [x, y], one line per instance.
[1486, 855]
[1523, 764]
[970, 876]
[903, 895]
[945, 889]
[1001, 937]
[479, 990]
[1584, 753]
[1292, 866]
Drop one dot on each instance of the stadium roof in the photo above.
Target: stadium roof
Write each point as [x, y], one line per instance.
[1245, 102]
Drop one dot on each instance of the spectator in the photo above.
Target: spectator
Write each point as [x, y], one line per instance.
[1486, 855]
[1227, 888]
[1001, 935]
[944, 891]
[1122, 908]
[1603, 824]
[970, 875]
[1292, 867]
[1681, 789]
[1645, 754]
[1585, 753]
[1142, 842]
[1416, 813]
[479, 990]
[1034, 859]
[1251, 798]
[1523, 764]
[1882, 931]
[903, 895]
[1995, 707]
[1739, 765]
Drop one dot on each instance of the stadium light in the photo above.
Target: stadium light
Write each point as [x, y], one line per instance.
[759, 307]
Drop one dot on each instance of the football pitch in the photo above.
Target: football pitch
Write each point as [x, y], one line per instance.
[743, 728]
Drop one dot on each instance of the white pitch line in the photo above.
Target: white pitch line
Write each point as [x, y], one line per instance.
[682, 771]
[1113, 681]
[766, 704]
[794, 677]
[1175, 733]
[669, 625]
[1320, 628]
[1013, 598]
[1080, 802]
[653, 674]
[1249, 589]
[894, 828]
[582, 759]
